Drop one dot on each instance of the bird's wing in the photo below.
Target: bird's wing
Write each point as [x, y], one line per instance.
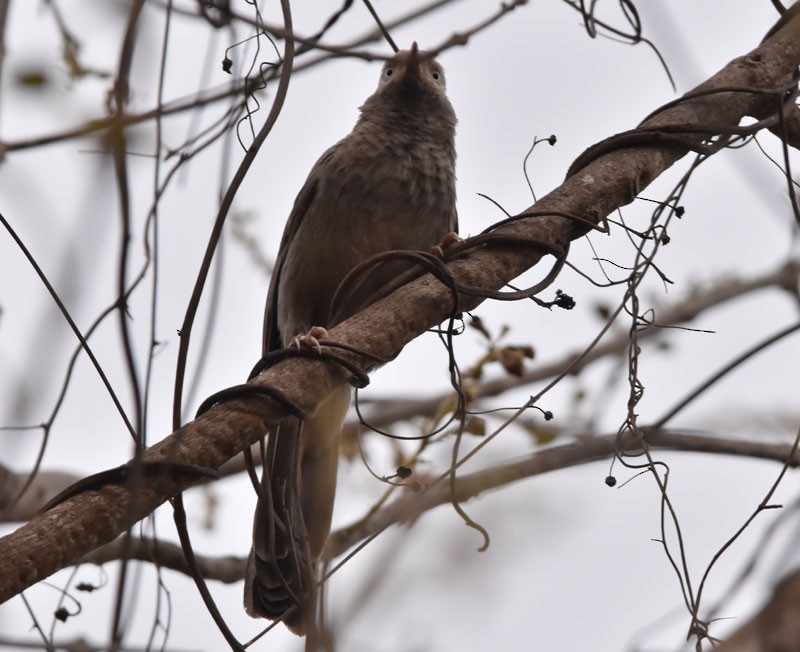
[272, 335]
[280, 579]
[305, 198]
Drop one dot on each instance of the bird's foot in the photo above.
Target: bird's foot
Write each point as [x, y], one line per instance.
[310, 340]
[447, 241]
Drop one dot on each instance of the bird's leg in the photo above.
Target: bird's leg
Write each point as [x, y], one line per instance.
[447, 241]
[310, 339]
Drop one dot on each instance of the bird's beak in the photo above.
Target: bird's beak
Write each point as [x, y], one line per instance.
[413, 60]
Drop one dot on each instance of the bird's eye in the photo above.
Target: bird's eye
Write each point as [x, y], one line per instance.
[388, 72]
[435, 74]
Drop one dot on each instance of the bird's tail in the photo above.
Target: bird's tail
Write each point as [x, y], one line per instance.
[293, 515]
[279, 580]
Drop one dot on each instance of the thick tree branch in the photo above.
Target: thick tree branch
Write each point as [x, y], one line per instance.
[62, 535]
[382, 413]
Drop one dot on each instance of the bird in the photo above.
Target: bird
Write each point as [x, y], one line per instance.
[388, 185]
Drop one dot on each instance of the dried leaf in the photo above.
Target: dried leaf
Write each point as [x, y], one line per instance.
[475, 426]
[477, 323]
[512, 358]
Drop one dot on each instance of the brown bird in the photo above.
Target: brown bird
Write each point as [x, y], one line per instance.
[390, 184]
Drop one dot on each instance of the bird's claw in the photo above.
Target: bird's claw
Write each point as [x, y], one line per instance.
[447, 241]
[310, 340]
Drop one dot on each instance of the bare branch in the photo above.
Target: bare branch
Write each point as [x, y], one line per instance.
[381, 413]
[73, 645]
[227, 569]
[44, 486]
[410, 506]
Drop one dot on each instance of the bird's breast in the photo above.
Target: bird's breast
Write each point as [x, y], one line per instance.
[368, 200]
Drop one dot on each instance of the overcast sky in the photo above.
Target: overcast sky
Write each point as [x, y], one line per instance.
[572, 564]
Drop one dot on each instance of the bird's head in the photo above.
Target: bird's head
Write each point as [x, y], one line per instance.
[412, 69]
[412, 84]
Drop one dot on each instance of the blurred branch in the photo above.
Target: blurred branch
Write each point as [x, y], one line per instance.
[610, 178]
[224, 92]
[73, 645]
[227, 569]
[3, 23]
[463, 37]
[23, 506]
[776, 627]
[412, 504]
[106, 123]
